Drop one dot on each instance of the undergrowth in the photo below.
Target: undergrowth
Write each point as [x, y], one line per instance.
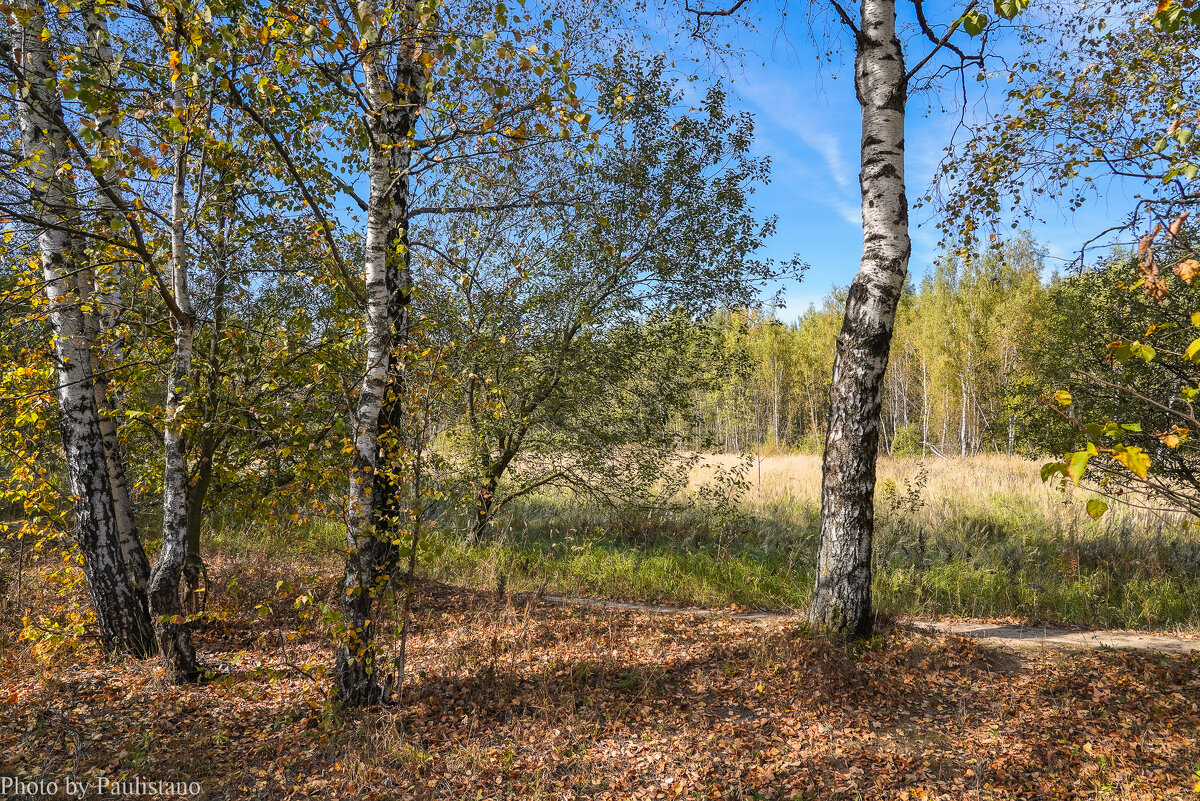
[978, 538]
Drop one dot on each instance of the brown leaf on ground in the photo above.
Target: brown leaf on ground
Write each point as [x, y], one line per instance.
[534, 700]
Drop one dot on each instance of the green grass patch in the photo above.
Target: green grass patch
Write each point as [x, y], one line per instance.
[988, 555]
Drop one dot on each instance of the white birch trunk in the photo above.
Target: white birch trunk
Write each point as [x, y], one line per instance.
[396, 102]
[106, 289]
[842, 595]
[174, 640]
[964, 381]
[121, 617]
[924, 407]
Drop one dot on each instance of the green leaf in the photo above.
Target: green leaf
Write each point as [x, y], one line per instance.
[1096, 507]
[1192, 350]
[1169, 18]
[1052, 468]
[974, 22]
[1010, 8]
[1077, 465]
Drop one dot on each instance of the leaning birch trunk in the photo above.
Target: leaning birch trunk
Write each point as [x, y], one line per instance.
[122, 620]
[396, 103]
[174, 640]
[106, 289]
[136, 566]
[842, 596]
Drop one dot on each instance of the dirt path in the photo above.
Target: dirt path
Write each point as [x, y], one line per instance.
[1014, 636]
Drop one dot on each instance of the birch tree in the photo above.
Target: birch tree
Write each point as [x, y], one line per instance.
[174, 640]
[105, 285]
[121, 616]
[394, 79]
[842, 594]
[436, 95]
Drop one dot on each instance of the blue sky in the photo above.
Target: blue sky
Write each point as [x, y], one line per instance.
[807, 121]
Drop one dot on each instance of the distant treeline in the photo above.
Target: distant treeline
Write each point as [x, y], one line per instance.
[979, 343]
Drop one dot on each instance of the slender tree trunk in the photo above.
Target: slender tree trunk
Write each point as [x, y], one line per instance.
[136, 565]
[371, 554]
[397, 102]
[812, 407]
[194, 573]
[121, 618]
[208, 437]
[106, 285]
[946, 407]
[962, 428]
[174, 639]
[842, 596]
[775, 407]
[485, 501]
[924, 407]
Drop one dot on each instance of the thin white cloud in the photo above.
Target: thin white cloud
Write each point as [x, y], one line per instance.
[849, 212]
[781, 104]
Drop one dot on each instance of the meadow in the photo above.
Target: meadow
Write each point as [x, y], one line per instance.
[981, 537]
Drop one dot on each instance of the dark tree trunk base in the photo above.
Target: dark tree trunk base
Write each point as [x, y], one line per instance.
[356, 687]
[175, 645]
[194, 583]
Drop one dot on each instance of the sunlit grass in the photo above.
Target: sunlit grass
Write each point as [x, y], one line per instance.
[983, 538]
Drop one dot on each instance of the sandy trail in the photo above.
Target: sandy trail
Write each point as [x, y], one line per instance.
[1015, 636]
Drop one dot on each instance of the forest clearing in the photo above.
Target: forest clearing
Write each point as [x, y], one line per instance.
[508, 695]
[512, 698]
[687, 399]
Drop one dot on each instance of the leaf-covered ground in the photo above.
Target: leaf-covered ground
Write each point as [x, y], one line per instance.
[519, 699]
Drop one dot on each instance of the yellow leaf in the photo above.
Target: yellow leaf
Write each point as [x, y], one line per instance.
[1192, 350]
[1135, 459]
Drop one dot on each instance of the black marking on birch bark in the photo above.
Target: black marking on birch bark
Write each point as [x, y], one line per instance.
[123, 623]
[842, 593]
[372, 502]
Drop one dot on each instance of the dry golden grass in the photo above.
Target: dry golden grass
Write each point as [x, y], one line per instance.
[976, 485]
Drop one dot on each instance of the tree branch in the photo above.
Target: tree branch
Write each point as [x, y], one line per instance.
[939, 43]
[326, 229]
